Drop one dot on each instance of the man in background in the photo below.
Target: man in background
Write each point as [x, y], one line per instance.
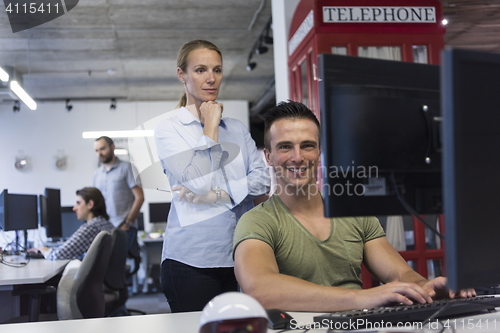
[115, 179]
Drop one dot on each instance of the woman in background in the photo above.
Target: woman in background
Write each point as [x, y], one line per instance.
[215, 172]
[89, 207]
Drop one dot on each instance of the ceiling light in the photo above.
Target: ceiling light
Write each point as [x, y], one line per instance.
[261, 49]
[23, 95]
[251, 66]
[117, 134]
[68, 106]
[268, 39]
[121, 152]
[4, 76]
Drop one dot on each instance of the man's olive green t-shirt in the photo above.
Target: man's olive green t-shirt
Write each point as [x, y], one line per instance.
[335, 261]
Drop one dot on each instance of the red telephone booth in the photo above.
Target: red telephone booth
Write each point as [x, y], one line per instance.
[409, 30]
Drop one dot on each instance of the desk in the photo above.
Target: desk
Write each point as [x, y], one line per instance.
[150, 256]
[36, 271]
[188, 323]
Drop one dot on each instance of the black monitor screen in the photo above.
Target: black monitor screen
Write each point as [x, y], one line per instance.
[379, 136]
[20, 211]
[42, 204]
[158, 212]
[471, 164]
[50, 213]
[3, 206]
[70, 223]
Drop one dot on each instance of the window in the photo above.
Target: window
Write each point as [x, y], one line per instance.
[420, 54]
[380, 52]
[303, 79]
[340, 50]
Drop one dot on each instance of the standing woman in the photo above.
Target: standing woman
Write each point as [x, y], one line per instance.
[215, 172]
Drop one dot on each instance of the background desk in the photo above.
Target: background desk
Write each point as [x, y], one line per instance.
[188, 323]
[151, 249]
[36, 271]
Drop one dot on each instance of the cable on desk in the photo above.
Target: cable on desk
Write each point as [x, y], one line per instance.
[4, 235]
[410, 209]
[14, 251]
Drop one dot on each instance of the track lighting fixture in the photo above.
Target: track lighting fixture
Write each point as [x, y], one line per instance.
[68, 105]
[113, 104]
[268, 40]
[259, 47]
[251, 66]
[17, 106]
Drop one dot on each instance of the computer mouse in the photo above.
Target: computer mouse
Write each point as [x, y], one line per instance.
[278, 319]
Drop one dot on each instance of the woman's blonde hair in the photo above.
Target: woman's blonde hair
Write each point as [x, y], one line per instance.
[182, 58]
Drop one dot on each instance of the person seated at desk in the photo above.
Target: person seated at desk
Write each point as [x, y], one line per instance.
[289, 256]
[90, 207]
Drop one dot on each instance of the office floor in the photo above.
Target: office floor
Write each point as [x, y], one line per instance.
[151, 303]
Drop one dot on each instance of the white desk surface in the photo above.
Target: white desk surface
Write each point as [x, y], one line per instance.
[152, 240]
[36, 271]
[188, 323]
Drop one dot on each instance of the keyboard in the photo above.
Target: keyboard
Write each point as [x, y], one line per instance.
[392, 316]
[34, 255]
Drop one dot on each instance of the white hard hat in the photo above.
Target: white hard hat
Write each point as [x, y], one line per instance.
[234, 312]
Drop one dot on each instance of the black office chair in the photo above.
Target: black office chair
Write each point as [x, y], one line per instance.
[133, 253]
[115, 284]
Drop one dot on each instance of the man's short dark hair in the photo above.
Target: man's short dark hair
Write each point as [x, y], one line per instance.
[108, 140]
[286, 110]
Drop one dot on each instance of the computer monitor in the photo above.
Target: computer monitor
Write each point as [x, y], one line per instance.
[140, 221]
[471, 164]
[50, 213]
[70, 223]
[18, 211]
[379, 136]
[158, 211]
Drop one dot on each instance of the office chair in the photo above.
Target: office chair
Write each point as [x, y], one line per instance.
[134, 255]
[115, 284]
[80, 291]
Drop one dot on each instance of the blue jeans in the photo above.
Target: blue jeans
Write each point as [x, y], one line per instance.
[188, 288]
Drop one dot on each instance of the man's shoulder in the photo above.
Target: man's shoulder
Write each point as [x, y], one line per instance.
[264, 212]
[123, 163]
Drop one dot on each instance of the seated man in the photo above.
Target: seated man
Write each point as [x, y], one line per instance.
[90, 207]
[289, 256]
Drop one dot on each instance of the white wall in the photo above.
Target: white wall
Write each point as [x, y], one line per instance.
[51, 130]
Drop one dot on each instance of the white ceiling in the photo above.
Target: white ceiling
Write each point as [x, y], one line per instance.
[69, 57]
